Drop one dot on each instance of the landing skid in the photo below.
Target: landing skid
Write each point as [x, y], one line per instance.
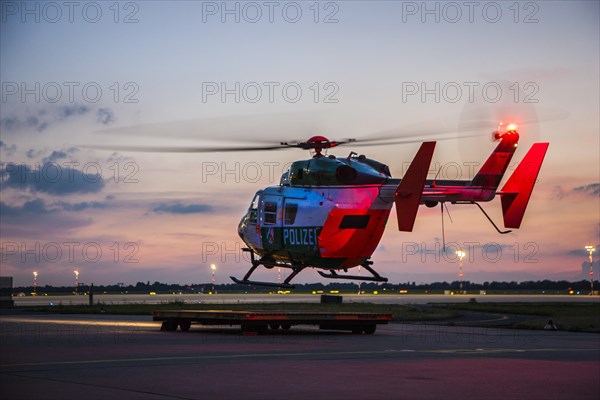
[269, 264]
[258, 283]
[375, 278]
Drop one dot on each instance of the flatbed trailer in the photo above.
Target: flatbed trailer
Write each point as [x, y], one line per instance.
[262, 321]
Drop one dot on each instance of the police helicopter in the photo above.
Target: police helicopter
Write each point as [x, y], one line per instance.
[329, 213]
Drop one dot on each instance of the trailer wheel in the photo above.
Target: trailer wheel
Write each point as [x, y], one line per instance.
[185, 325]
[274, 327]
[169, 325]
[357, 331]
[286, 327]
[258, 329]
[370, 329]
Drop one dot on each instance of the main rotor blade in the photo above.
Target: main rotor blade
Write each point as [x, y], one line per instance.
[424, 130]
[260, 128]
[477, 122]
[478, 119]
[190, 149]
[360, 143]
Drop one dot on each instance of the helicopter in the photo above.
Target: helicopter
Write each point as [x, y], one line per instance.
[329, 213]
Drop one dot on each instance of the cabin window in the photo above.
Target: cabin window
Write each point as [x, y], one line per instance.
[270, 213]
[290, 213]
[253, 210]
[355, 221]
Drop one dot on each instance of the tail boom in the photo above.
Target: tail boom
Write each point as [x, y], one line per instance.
[484, 184]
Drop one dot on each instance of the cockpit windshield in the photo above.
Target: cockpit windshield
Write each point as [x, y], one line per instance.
[253, 210]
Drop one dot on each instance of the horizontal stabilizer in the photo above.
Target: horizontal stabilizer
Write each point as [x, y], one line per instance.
[409, 191]
[517, 190]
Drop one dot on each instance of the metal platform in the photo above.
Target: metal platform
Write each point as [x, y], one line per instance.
[262, 321]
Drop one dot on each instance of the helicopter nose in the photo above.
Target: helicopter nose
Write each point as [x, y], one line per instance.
[241, 229]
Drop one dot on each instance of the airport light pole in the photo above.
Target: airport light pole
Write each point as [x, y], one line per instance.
[213, 268]
[35, 275]
[359, 281]
[461, 254]
[76, 272]
[591, 249]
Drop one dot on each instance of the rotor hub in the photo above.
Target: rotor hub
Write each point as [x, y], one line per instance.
[318, 142]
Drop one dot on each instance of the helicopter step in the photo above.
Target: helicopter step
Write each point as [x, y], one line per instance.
[258, 283]
[375, 278]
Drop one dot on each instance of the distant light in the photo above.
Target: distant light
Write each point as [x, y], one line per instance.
[590, 248]
[511, 128]
[460, 253]
[213, 267]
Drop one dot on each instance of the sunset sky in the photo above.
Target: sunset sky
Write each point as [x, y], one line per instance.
[213, 73]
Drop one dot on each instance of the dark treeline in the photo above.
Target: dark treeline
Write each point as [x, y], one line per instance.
[158, 287]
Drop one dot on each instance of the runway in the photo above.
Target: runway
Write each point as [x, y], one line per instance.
[97, 357]
[226, 298]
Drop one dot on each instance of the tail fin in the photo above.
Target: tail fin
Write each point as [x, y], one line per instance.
[492, 171]
[410, 189]
[517, 190]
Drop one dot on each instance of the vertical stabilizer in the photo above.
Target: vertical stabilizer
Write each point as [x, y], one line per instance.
[409, 191]
[517, 190]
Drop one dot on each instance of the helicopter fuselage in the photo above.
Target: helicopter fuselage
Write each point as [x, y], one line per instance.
[316, 217]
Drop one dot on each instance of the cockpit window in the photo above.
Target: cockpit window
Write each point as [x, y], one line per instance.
[285, 179]
[290, 213]
[253, 211]
[252, 216]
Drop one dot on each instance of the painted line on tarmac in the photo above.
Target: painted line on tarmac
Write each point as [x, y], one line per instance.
[183, 358]
[495, 351]
[279, 355]
[127, 323]
[501, 318]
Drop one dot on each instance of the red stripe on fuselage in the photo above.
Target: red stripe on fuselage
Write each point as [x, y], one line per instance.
[353, 244]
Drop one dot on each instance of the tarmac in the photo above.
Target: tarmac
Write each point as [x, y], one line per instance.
[226, 298]
[48, 356]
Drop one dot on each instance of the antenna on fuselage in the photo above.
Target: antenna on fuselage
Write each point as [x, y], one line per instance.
[442, 206]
